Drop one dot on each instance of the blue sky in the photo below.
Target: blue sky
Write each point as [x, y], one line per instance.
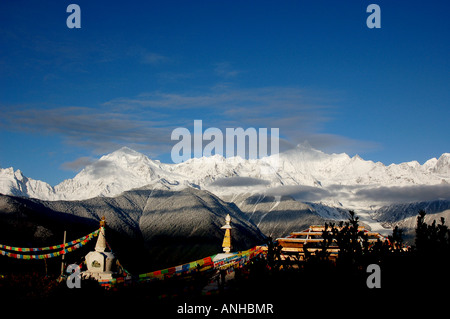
[138, 69]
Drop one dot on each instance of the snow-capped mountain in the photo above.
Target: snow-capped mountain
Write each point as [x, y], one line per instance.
[113, 174]
[304, 173]
[15, 183]
[392, 215]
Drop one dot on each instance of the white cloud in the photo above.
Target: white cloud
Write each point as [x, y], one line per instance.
[225, 69]
[238, 181]
[405, 194]
[78, 164]
[147, 120]
[153, 58]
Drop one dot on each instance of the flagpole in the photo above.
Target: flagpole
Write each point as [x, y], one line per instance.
[62, 257]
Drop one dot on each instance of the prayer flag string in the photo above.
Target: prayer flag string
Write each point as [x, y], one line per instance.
[64, 248]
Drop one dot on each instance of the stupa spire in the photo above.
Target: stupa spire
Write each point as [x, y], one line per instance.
[100, 246]
[226, 245]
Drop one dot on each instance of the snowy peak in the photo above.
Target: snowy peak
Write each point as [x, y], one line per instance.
[123, 161]
[126, 156]
[113, 174]
[305, 152]
[442, 165]
[15, 183]
[9, 183]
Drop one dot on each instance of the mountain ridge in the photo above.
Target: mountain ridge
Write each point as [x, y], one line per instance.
[327, 177]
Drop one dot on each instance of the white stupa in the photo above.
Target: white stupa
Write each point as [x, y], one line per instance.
[100, 264]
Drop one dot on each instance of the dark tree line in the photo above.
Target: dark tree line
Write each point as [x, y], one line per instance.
[421, 271]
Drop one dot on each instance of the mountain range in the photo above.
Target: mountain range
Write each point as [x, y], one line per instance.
[305, 173]
[176, 210]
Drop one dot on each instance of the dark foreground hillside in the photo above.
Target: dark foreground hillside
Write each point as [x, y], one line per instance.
[147, 229]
